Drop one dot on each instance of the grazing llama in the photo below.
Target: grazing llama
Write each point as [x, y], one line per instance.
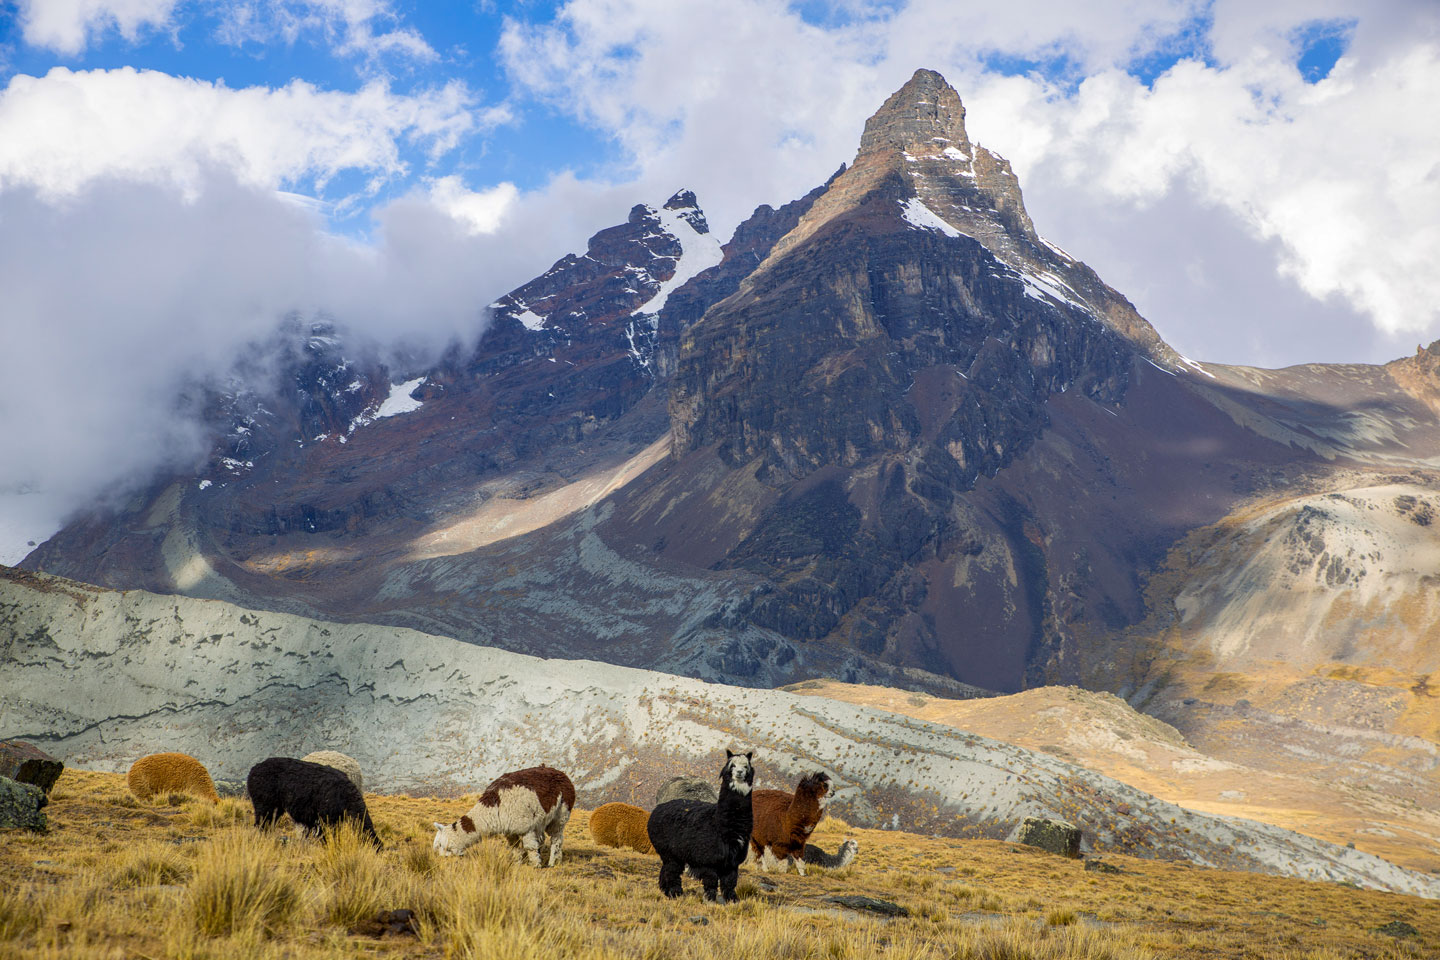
[316, 796]
[784, 822]
[171, 773]
[711, 839]
[339, 761]
[621, 825]
[523, 806]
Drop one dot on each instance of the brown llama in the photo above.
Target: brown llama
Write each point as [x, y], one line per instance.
[621, 825]
[784, 822]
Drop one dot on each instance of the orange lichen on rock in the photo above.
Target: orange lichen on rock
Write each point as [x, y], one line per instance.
[171, 773]
[621, 825]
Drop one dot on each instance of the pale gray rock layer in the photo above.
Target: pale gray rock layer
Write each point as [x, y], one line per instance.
[100, 677]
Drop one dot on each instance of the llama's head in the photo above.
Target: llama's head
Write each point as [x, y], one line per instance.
[816, 786]
[451, 839]
[738, 774]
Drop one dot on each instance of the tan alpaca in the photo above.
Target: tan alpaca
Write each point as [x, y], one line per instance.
[339, 761]
[621, 825]
[171, 773]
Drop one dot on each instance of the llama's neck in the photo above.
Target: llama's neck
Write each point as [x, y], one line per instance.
[735, 808]
[804, 810]
[487, 821]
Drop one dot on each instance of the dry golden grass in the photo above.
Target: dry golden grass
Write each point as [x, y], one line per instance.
[196, 881]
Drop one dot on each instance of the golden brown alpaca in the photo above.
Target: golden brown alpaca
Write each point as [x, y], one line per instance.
[621, 825]
[171, 773]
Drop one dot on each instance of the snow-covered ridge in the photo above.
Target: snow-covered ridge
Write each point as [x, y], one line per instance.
[699, 252]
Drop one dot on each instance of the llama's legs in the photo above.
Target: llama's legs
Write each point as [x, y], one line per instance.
[556, 832]
[768, 860]
[710, 880]
[727, 886]
[670, 871]
[265, 816]
[798, 863]
[531, 843]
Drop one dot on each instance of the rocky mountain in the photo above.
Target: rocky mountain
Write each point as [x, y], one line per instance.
[886, 433]
[98, 677]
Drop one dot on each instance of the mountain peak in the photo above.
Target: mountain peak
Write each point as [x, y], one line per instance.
[923, 118]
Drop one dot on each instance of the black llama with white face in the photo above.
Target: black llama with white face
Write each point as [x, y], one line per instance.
[711, 839]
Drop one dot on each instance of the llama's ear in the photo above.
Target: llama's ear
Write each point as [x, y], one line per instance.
[750, 755]
[439, 826]
[728, 754]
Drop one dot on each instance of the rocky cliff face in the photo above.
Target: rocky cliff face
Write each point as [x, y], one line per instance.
[232, 686]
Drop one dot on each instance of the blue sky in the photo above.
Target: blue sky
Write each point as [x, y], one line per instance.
[194, 40]
[1261, 180]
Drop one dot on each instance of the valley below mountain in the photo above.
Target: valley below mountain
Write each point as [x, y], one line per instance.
[101, 677]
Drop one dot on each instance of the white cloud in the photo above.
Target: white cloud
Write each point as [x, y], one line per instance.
[68, 26]
[480, 211]
[1333, 183]
[364, 28]
[66, 129]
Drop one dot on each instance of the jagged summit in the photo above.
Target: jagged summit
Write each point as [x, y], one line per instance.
[923, 117]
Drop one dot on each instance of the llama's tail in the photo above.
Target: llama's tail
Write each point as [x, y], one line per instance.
[369, 827]
[840, 858]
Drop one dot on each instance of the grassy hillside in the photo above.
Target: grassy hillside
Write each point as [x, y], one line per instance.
[1102, 732]
[117, 877]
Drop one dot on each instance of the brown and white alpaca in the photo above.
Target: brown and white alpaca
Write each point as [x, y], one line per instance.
[524, 806]
[621, 825]
[170, 773]
[784, 822]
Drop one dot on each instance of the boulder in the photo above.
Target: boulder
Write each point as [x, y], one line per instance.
[230, 788]
[1056, 836]
[20, 805]
[686, 788]
[26, 763]
[872, 904]
[1096, 865]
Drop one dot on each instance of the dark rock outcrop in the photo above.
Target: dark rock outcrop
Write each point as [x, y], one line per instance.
[27, 763]
[21, 805]
[1054, 836]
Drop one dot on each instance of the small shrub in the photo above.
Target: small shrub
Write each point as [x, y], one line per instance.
[241, 886]
[227, 813]
[1061, 917]
[150, 864]
[355, 877]
[18, 916]
[420, 859]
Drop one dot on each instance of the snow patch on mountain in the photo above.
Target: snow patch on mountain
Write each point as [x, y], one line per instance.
[700, 252]
[399, 400]
[915, 211]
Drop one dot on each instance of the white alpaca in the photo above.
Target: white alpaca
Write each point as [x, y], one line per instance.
[524, 806]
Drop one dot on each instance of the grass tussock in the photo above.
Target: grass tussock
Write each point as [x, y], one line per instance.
[199, 882]
[150, 864]
[242, 885]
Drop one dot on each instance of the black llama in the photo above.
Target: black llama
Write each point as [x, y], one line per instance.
[711, 839]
